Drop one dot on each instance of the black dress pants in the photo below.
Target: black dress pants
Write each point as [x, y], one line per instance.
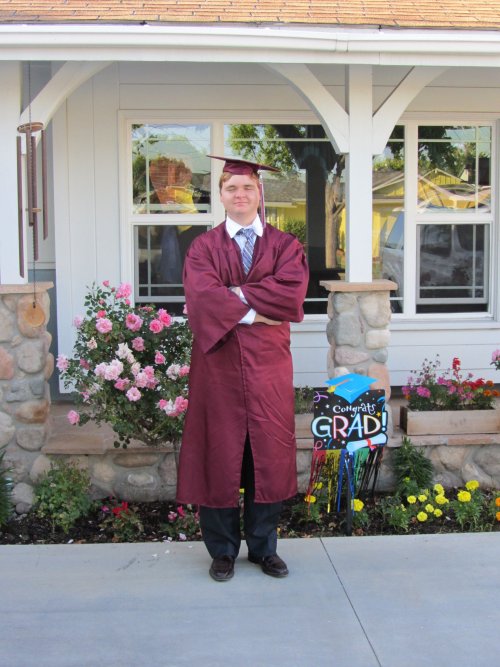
[220, 527]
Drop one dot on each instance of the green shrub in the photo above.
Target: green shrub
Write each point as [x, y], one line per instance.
[5, 487]
[63, 495]
[413, 470]
[395, 514]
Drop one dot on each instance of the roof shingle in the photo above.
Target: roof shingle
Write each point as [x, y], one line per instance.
[458, 14]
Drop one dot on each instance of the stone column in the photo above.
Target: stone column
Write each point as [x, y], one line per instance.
[358, 329]
[25, 367]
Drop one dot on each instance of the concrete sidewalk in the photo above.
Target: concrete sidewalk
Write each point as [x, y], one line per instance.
[407, 601]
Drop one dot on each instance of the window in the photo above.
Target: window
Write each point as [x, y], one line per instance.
[447, 225]
[388, 215]
[305, 198]
[171, 201]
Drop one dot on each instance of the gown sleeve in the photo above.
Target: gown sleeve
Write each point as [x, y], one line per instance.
[213, 309]
[280, 295]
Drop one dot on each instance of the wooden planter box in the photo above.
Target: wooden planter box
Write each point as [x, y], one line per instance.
[449, 422]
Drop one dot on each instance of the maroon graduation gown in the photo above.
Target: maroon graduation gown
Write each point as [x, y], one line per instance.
[241, 375]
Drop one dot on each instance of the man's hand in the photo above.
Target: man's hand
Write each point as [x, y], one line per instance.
[265, 320]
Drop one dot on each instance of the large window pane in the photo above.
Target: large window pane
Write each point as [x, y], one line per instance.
[454, 168]
[306, 198]
[388, 215]
[170, 168]
[452, 267]
[159, 258]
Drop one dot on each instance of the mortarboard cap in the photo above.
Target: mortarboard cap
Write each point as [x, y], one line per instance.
[240, 167]
[350, 386]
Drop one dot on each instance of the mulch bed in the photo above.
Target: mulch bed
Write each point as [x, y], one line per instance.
[295, 522]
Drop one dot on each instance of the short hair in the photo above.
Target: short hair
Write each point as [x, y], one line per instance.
[225, 176]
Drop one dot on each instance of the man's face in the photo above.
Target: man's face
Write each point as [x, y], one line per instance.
[240, 196]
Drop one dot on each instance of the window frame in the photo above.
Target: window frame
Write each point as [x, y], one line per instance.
[412, 217]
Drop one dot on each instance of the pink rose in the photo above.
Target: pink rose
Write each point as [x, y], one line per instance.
[100, 369]
[73, 417]
[185, 310]
[173, 371]
[62, 363]
[84, 364]
[138, 344]
[78, 321]
[105, 283]
[133, 322]
[104, 325]
[183, 371]
[180, 404]
[159, 358]
[121, 384]
[133, 394]
[101, 313]
[164, 317]
[124, 291]
[156, 326]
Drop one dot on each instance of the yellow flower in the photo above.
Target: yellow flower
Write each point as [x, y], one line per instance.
[472, 485]
[422, 497]
[441, 499]
[310, 499]
[412, 500]
[318, 485]
[497, 501]
[438, 488]
[357, 505]
[422, 516]
[464, 496]
[429, 508]
[438, 512]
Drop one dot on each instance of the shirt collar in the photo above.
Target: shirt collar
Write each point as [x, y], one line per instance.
[233, 227]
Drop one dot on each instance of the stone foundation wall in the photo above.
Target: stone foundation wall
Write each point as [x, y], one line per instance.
[25, 367]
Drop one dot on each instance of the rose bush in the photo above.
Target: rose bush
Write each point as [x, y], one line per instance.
[129, 368]
[431, 389]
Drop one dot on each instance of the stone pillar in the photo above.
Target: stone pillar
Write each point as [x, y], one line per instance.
[358, 329]
[25, 367]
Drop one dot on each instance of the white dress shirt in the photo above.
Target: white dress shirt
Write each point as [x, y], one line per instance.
[232, 229]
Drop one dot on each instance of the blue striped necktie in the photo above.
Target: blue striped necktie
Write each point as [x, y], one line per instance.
[247, 250]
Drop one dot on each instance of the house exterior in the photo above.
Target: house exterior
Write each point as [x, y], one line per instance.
[384, 118]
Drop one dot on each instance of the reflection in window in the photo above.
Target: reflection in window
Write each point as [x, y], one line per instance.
[305, 198]
[454, 168]
[159, 259]
[170, 169]
[452, 266]
[388, 215]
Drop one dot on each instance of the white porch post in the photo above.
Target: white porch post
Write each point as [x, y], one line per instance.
[359, 175]
[10, 108]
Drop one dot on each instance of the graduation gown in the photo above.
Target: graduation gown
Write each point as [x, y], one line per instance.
[241, 375]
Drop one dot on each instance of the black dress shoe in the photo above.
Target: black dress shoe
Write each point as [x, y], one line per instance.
[222, 568]
[273, 565]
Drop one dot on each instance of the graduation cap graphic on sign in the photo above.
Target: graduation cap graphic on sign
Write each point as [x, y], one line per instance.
[351, 386]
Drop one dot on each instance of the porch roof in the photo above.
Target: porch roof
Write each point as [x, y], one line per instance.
[447, 14]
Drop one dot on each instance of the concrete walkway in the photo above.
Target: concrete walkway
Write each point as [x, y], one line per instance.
[407, 601]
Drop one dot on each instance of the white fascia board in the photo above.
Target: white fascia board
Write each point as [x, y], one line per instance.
[250, 44]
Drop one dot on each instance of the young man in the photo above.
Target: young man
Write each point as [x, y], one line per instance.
[239, 431]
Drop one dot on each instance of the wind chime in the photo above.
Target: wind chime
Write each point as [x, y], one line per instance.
[28, 200]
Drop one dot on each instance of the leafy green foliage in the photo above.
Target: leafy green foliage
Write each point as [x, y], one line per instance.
[303, 400]
[123, 521]
[62, 495]
[410, 465]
